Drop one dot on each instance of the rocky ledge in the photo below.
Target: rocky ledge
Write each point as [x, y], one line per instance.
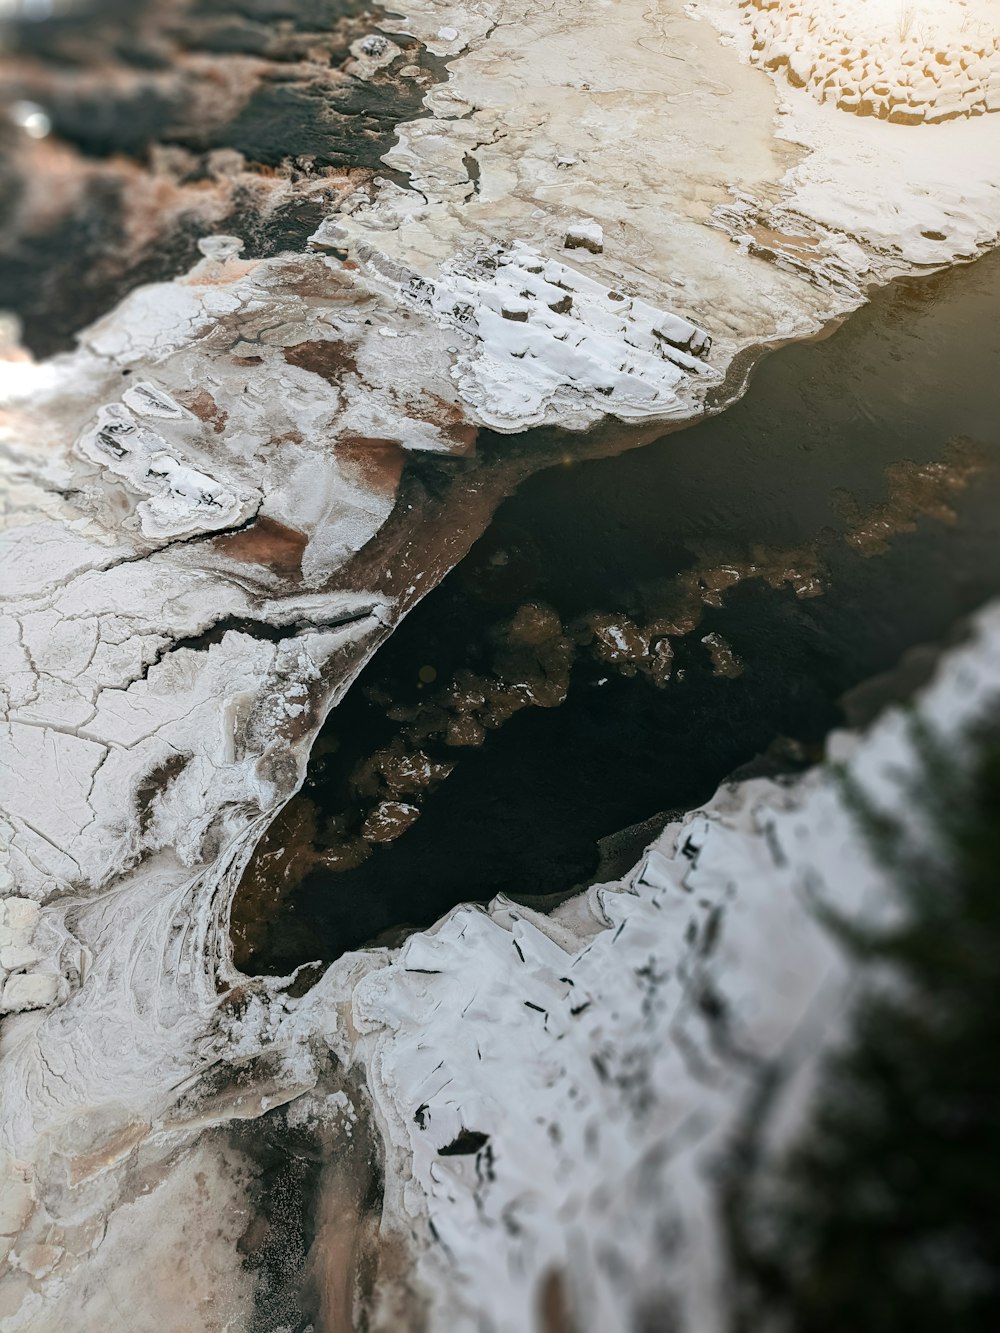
[911, 64]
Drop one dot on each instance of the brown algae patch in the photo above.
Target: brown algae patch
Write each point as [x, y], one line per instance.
[916, 490]
[330, 358]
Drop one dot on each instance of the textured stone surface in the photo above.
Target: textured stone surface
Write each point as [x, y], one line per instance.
[908, 63]
[210, 524]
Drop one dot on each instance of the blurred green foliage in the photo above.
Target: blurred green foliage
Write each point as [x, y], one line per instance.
[884, 1216]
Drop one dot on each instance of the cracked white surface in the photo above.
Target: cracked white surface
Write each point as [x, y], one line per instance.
[158, 683]
[24, 982]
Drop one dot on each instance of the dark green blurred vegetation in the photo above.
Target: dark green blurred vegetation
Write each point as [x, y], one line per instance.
[884, 1215]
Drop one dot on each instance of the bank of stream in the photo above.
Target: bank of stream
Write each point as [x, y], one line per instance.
[632, 630]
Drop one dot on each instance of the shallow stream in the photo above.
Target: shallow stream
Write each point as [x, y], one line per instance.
[631, 631]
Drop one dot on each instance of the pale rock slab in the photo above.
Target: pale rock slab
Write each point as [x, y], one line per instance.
[28, 991]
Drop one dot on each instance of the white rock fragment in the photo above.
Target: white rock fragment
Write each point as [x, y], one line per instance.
[147, 400]
[587, 235]
[683, 335]
[548, 342]
[28, 990]
[19, 951]
[182, 498]
[16, 957]
[220, 249]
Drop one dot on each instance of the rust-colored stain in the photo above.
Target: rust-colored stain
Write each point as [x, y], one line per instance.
[449, 418]
[916, 490]
[205, 408]
[798, 247]
[221, 274]
[313, 277]
[772, 237]
[248, 360]
[330, 358]
[554, 1315]
[269, 543]
[377, 463]
[112, 1150]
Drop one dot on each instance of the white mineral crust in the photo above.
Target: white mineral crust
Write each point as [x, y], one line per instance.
[603, 1056]
[182, 499]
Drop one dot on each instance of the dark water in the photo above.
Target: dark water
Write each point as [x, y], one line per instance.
[865, 463]
[118, 84]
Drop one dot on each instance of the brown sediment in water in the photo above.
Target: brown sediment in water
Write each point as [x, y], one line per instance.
[724, 661]
[916, 490]
[388, 821]
[533, 652]
[296, 842]
[710, 566]
[442, 507]
[284, 855]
